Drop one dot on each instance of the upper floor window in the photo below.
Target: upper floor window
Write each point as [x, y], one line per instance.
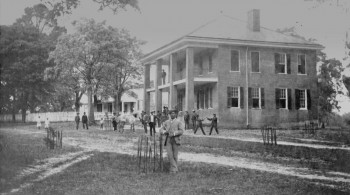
[282, 63]
[301, 64]
[256, 97]
[255, 61]
[302, 99]
[234, 60]
[284, 98]
[210, 59]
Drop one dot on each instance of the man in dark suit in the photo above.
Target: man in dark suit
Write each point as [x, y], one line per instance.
[77, 120]
[199, 125]
[172, 128]
[187, 120]
[84, 120]
[214, 124]
[194, 119]
[146, 119]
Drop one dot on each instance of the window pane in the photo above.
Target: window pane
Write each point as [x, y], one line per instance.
[256, 103]
[234, 60]
[200, 66]
[255, 61]
[234, 102]
[235, 92]
[255, 93]
[283, 103]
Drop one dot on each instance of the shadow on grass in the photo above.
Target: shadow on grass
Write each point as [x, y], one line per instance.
[109, 173]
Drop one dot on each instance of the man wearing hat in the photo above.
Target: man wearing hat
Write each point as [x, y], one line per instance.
[214, 124]
[173, 128]
[194, 119]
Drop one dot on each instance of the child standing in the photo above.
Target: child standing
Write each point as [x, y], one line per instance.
[101, 123]
[47, 123]
[38, 123]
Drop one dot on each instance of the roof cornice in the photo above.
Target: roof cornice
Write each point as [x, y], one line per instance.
[184, 42]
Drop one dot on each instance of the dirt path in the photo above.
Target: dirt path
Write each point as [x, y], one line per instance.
[121, 145]
[239, 138]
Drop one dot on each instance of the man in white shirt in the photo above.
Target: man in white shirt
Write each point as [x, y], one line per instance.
[152, 123]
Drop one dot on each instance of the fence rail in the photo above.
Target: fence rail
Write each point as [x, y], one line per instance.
[52, 116]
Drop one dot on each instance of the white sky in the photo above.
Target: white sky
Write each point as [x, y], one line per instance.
[162, 21]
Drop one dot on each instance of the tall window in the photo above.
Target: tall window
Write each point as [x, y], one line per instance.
[233, 96]
[234, 60]
[210, 98]
[302, 99]
[200, 65]
[180, 101]
[99, 107]
[256, 97]
[283, 98]
[210, 68]
[255, 61]
[109, 107]
[281, 62]
[301, 64]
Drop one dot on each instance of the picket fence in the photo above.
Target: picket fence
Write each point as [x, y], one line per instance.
[52, 116]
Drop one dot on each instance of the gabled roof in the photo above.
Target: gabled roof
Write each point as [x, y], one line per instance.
[228, 30]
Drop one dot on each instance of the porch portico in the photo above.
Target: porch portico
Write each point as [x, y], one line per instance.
[190, 82]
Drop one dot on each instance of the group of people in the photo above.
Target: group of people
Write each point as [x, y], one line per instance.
[84, 120]
[197, 122]
[38, 123]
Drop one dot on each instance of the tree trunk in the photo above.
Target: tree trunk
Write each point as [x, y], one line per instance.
[77, 102]
[116, 104]
[14, 107]
[24, 113]
[90, 105]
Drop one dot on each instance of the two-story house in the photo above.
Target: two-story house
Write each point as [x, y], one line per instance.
[247, 74]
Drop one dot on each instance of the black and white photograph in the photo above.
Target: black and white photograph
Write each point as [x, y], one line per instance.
[174, 97]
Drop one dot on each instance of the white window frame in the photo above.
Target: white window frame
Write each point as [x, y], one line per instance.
[305, 99]
[285, 63]
[286, 97]
[259, 94]
[251, 65]
[239, 61]
[298, 63]
[238, 96]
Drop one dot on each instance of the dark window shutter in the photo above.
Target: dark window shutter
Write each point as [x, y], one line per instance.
[289, 99]
[250, 100]
[228, 98]
[262, 98]
[242, 97]
[277, 96]
[288, 64]
[297, 99]
[308, 99]
[276, 62]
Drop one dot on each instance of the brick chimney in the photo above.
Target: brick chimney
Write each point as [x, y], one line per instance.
[254, 20]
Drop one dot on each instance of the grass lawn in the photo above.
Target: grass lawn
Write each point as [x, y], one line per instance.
[109, 173]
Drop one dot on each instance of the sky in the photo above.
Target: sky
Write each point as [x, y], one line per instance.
[161, 21]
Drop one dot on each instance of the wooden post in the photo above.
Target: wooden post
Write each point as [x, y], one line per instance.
[161, 152]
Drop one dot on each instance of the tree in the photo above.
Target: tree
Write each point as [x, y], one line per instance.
[61, 7]
[89, 52]
[329, 85]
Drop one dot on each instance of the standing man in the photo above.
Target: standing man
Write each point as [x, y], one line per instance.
[199, 125]
[187, 120]
[77, 120]
[214, 124]
[84, 120]
[146, 120]
[152, 123]
[159, 116]
[163, 76]
[114, 122]
[173, 129]
[194, 119]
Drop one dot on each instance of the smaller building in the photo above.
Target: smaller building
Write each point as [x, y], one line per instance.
[129, 103]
